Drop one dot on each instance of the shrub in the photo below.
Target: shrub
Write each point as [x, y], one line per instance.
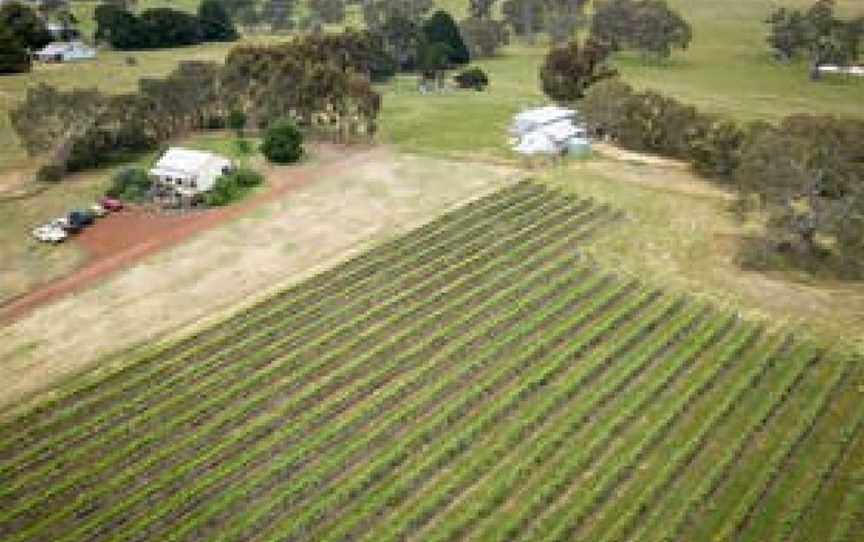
[130, 184]
[715, 151]
[214, 122]
[14, 57]
[283, 143]
[237, 121]
[50, 173]
[225, 191]
[246, 177]
[473, 78]
[215, 21]
[243, 147]
[233, 186]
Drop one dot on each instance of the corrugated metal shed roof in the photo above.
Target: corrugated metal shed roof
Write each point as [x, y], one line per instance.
[178, 160]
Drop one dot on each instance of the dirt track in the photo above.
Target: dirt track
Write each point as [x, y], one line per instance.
[122, 239]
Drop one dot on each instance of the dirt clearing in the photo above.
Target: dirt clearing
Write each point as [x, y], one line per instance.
[314, 225]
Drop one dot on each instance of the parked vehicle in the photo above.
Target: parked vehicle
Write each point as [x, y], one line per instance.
[66, 225]
[111, 204]
[49, 233]
[98, 211]
[62, 223]
[82, 218]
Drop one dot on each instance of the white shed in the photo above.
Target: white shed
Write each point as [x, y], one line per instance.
[185, 172]
[549, 130]
[62, 51]
[531, 119]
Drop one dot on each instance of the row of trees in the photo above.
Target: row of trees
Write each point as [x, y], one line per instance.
[649, 26]
[281, 15]
[163, 27]
[559, 18]
[319, 82]
[816, 33]
[805, 174]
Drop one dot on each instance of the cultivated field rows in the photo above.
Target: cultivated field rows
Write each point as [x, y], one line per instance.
[476, 379]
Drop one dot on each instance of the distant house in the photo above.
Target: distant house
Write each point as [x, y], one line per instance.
[548, 130]
[61, 51]
[181, 174]
[841, 70]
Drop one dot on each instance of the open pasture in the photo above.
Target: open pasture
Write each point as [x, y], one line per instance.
[479, 378]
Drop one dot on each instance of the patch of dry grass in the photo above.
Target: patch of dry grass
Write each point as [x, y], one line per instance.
[278, 243]
[681, 233]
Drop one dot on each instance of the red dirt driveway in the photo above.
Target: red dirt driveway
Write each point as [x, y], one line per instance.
[122, 239]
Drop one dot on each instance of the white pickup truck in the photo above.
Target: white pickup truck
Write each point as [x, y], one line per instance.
[50, 233]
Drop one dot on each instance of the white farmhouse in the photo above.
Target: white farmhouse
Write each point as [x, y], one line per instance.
[62, 51]
[181, 174]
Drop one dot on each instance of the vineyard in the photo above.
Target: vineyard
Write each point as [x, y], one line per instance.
[477, 379]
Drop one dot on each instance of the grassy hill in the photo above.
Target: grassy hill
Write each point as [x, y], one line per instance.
[727, 70]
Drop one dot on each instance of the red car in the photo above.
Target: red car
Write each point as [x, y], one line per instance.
[111, 204]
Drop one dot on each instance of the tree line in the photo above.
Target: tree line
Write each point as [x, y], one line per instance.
[647, 26]
[320, 82]
[162, 27]
[805, 174]
[816, 33]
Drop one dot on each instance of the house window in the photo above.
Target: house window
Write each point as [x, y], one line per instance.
[193, 184]
[179, 182]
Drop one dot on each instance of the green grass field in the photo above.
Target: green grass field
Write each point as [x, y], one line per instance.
[727, 70]
[476, 379]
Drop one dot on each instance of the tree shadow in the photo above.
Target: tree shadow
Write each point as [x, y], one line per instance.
[759, 254]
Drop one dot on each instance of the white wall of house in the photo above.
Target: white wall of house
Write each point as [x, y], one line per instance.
[188, 172]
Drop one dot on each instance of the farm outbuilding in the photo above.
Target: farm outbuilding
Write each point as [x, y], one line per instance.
[548, 130]
[182, 174]
[62, 51]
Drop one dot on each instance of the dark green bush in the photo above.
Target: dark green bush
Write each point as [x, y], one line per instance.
[233, 186]
[237, 121]
[14, 57]
[215, 21]
[247, 178]
[130, 184]
[225, 191]
[50, 173]
[243, 147]
[473, 78]
[283, 143]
